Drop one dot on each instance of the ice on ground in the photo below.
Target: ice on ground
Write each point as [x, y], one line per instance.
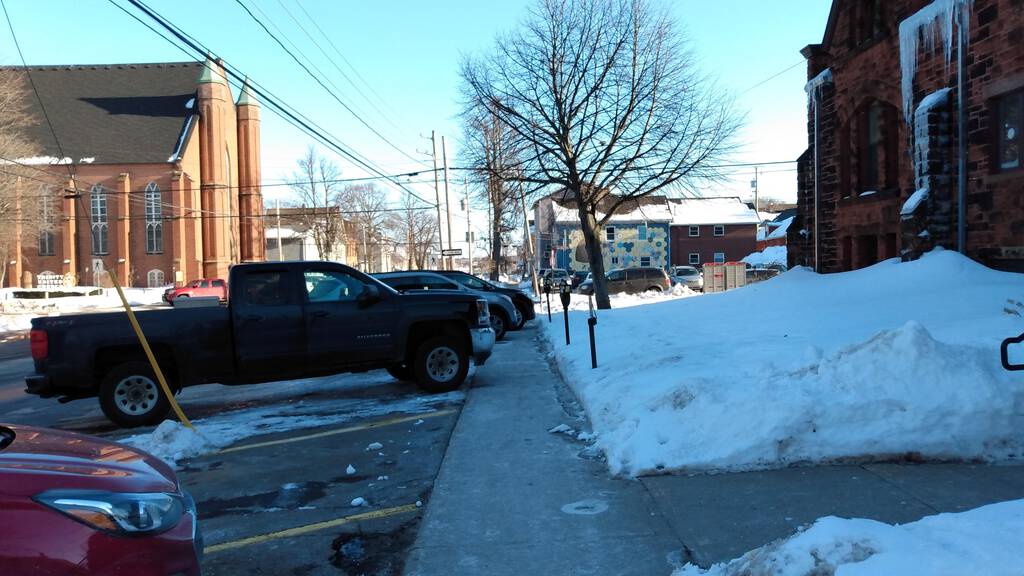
[374, 446]
[561, 429]
[350, 470]
[360, 501]
[885, 361]
[985, 540]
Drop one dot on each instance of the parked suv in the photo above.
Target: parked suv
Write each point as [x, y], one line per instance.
[196, 288]
[632, 280]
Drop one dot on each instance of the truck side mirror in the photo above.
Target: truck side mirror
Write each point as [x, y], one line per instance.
[369, 296]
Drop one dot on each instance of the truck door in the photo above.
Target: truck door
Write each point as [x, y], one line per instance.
[342, 329]
[269, 329]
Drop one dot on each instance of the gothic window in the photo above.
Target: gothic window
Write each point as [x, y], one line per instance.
[877, 145]
[1010, 124]
[155, 278]
[866, 21]
[154, 220]
[47, 238]
[98, 220]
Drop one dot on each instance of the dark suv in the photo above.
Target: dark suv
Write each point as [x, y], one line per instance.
[632, 280]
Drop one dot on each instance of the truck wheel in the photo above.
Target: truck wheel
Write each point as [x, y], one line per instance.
[401, 372]
[441, 364]
[499, 322]
[130, 395]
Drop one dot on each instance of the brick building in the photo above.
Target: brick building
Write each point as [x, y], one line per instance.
[712, 230]
[155, 173]
[880, 178]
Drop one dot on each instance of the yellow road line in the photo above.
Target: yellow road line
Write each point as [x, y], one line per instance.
[300, 530]
[367, 426]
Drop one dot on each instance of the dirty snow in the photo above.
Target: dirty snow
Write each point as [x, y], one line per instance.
[172, 441]
[893, 359]
[985, 540]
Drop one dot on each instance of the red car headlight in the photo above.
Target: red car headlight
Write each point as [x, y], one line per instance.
[118, 512]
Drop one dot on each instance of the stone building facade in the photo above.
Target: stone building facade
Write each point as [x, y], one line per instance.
[880, 177]
[153, 171]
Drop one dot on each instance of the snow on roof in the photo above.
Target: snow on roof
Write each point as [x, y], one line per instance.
[781, 229]
[722, 210]
[628, 212]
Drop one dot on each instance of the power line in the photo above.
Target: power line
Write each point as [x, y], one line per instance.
[279, 107]
[772, 77]
[319, 81]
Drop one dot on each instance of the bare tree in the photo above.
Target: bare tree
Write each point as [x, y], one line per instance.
[491, 151]
[28, 200]
[367, 207]
[315, 184]
[415, 228]
[607, 105]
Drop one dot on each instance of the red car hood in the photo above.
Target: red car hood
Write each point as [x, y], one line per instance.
[40, 459]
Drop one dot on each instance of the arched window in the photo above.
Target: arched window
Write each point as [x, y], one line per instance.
[98, 219]
[47, 238]
[155, 278]
[873, 134]
[154, 220]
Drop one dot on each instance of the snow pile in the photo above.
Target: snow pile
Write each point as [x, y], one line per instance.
[770, 255]
[17, 313]
[621, 300]
[172, 441]
[888, 360]
[985, 540]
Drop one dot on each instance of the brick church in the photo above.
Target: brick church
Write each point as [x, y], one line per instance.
[882, 174]
[155, 171]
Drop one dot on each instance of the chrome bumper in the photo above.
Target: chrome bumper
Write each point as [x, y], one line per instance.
[483, 344]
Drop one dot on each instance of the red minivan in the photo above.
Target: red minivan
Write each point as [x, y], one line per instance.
[75, 505]
[196, 288]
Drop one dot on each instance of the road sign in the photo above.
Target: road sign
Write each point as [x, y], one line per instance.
[452, 252]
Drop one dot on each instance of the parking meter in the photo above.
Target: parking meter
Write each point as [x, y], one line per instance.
[591, 322]
[565, 294]
[547, 295]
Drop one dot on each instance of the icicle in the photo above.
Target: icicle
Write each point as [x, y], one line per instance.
[935, 22]
[814, 84]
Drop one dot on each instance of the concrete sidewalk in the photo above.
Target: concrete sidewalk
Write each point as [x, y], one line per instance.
[512, 498]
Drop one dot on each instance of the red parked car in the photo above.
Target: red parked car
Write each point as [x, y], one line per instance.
[75, 505]
[202, 287]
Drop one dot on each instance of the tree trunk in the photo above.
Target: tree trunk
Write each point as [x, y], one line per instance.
[495, 248]
[591, 235]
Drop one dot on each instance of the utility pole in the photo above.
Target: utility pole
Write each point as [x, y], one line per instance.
[469, 232]
[757, 206]
[447, 199]
[366, 255]
[280, 253]
[437, 200]
[528, 240]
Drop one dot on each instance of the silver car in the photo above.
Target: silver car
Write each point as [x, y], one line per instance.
[688, 276]
[503, 312]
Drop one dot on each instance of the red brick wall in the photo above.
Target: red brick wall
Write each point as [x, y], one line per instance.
[871, 72]
[739, 241]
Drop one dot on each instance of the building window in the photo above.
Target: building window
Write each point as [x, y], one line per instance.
[47, 239]
[98, 219]
[719, 230]
[155, 278]
[694, 231]
[615, 260]
[719, 257]
[694, 258]
[609, 233]
[877, 146]
[154, 220]
[641, 232]
[866, 16]
[645, 261]
[1011, 122]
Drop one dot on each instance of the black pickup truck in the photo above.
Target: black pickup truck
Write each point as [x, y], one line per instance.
[283, 320]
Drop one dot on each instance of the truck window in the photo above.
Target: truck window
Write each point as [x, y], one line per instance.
[204, 284]
[266, 289]
[331, 286]
[218, 283]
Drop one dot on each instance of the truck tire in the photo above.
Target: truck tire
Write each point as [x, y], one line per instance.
[130, 395]
[441, 364]
[499, 322]
[401, 372]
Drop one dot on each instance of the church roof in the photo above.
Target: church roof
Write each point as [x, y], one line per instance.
[114, 113]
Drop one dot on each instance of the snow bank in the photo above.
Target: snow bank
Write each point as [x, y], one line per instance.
[981, 541]
[888, 360]
[16, 313]
[622, 300]
[770, 255]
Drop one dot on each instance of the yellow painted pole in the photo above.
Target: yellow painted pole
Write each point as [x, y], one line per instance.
[149, 353]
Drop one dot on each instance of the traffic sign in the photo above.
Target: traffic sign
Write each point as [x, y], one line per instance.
[452, 252]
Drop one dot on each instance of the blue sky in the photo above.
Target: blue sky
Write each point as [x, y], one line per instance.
[409, 52]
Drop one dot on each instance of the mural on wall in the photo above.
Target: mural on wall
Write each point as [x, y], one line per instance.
[626, 251]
